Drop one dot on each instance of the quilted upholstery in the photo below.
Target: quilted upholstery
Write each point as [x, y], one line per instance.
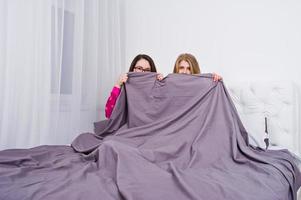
[278, 101]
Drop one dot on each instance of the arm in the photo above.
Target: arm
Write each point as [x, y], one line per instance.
[114, 95]
[112, 101]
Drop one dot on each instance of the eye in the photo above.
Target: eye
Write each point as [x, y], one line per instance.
[138, 68]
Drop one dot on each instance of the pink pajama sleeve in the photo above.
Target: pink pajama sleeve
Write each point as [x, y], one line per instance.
[112, 101]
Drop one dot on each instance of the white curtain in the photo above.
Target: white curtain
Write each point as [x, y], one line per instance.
[58, 61]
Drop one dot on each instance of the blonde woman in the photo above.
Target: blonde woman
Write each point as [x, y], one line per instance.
[187, 64]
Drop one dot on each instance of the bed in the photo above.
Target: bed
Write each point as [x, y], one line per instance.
[279, 103]
[179, 138]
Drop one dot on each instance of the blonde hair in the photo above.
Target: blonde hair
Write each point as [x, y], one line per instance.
[193, 63]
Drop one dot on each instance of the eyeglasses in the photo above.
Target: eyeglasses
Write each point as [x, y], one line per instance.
[140, 69]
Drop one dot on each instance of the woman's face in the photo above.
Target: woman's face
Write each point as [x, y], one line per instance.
[142, 66]
[184, 67]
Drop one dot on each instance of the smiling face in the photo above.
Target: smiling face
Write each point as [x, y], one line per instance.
[184, 67]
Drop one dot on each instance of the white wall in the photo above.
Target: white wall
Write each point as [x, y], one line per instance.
[241, 40]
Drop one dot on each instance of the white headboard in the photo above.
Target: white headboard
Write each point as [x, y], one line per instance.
[279, 102]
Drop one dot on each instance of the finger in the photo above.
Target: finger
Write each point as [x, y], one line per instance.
[214, 77]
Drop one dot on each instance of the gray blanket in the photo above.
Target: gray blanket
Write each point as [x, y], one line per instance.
[179, 138]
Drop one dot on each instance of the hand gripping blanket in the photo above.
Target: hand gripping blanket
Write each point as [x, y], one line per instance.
[180, 138]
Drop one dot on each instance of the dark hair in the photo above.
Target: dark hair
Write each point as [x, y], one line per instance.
[146, 57]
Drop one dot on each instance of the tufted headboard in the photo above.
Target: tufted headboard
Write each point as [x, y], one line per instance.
[278, 102]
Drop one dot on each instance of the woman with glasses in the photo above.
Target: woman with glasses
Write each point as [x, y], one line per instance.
[141, 63]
